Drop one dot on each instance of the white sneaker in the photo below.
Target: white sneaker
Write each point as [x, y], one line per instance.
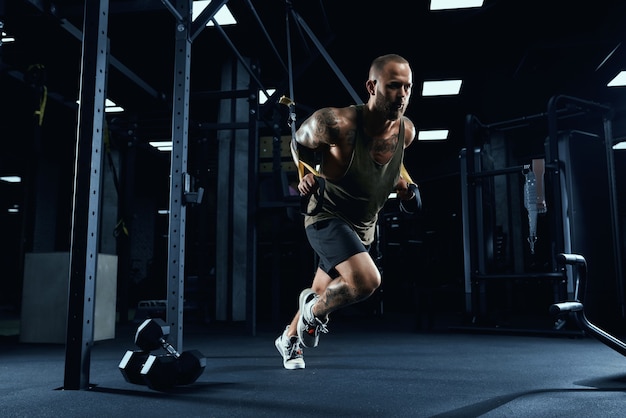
[309, 327]
[290, 349]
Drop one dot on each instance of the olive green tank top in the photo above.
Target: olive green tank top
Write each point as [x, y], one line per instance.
[361, 193]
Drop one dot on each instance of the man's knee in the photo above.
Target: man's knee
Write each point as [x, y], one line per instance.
[367, 283]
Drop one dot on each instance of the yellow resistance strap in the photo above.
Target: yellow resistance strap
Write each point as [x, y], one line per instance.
[302, 165]
[405, 174]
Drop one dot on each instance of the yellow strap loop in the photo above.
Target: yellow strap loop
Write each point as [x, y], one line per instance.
[405, 174]
[302, 165]
[42, 105]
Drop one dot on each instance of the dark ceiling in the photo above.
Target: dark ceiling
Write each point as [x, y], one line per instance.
[512, 55]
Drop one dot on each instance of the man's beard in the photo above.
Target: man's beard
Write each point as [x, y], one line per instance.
[391, 110]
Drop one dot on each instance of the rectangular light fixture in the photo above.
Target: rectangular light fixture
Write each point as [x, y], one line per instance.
[5, 38]
[223, 16]
[433, 135]
[162, 145]
[441, 87]
[263, 97]
[620, 145]
[619, 80]
[109, 106]
[454, 4]
[11, 179]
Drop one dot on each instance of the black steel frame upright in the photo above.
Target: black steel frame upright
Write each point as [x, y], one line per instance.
[86, 200]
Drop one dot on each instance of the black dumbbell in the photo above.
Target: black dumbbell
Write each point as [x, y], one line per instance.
[131, 365]
[173, 368]
[163, 371]
[160, 372]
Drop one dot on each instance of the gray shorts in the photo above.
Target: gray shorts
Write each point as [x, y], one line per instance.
[333, 241]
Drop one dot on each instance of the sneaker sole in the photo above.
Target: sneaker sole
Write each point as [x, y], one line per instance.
[288, 366]
[294, 366]
[307, 340]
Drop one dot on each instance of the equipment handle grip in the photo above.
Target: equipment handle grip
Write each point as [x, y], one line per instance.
[572, 258]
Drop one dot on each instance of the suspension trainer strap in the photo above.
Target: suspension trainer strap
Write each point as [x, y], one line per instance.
[290, 103]
[304, 200]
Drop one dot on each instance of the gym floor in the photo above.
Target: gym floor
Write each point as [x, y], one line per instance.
[382, 367]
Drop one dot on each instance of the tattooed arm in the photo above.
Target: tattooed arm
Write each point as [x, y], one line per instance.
[329, 131]
[322, 127]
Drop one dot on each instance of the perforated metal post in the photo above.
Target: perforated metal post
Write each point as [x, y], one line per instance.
[178, 168]
[86, 205]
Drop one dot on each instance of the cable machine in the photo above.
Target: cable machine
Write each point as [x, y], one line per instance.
[532, 188]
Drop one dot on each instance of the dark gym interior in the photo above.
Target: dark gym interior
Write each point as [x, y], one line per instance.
[485, 307]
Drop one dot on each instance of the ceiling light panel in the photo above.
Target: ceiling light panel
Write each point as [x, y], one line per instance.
[433, 135]
[441, 88]
[454, 4]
